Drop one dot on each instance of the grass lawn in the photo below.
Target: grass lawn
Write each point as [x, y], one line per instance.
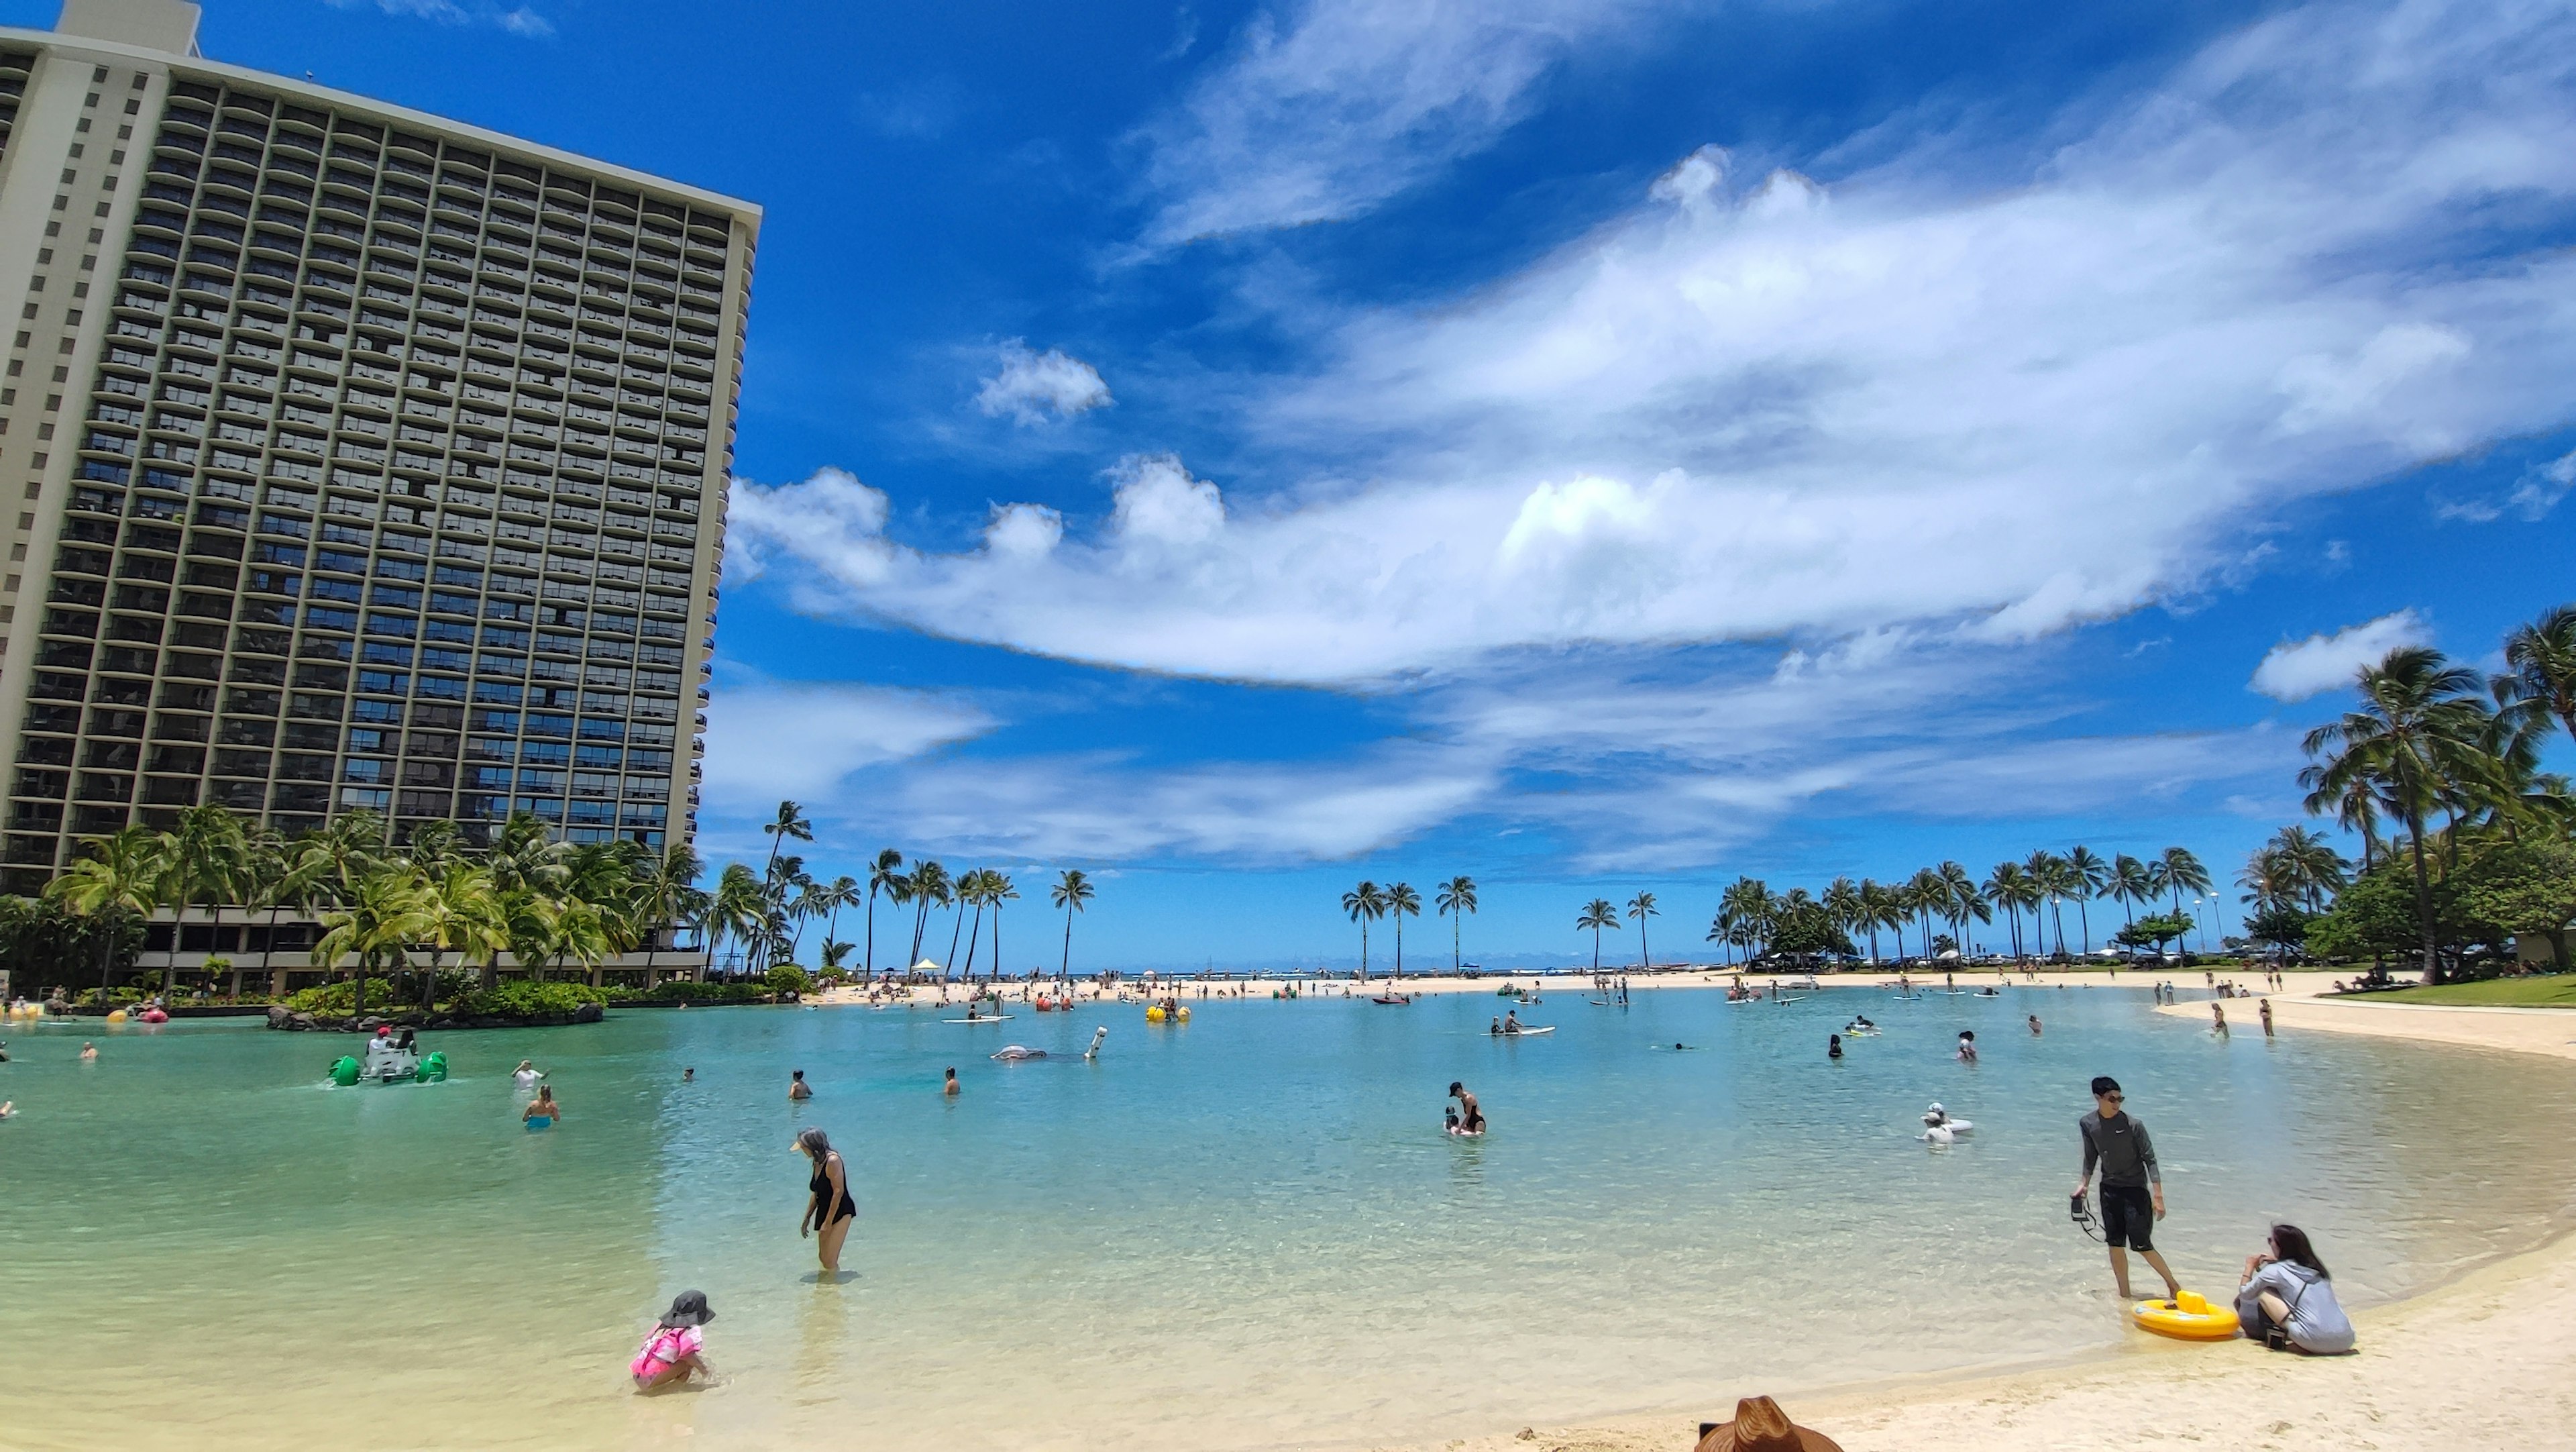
[2556, 990]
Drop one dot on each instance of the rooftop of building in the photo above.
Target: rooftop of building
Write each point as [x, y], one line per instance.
[164, 32]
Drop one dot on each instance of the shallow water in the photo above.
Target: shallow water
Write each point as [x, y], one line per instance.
[1248, 1231]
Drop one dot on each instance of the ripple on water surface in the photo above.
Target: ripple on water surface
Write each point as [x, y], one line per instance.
[1247, 1231]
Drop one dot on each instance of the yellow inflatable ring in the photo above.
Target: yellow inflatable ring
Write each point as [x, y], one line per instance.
[1185, 1015]
[2188, 1317]
[116, 1015]
[1154, 1014]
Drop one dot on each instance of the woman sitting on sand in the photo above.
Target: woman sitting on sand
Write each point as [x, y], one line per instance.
[2287, 1300]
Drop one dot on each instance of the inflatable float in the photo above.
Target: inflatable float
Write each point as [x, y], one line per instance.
[2187, 1317]
[1157, 1014]
[154, 1015]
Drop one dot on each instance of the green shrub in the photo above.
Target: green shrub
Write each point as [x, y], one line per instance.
[788, 978]
[341, 998]
[513, 997]
[683, 990]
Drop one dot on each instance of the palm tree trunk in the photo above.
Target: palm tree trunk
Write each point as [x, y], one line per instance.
[1399, 947]
[2084, 918]
[971, 939]
[1064, 970]
[870, 968]
[958, 927]
[1457, 930]
[2424, 903]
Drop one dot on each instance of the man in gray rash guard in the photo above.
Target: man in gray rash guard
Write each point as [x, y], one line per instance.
[2133, 1190]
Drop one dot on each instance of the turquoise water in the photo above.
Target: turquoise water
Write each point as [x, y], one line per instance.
[1248, 1231]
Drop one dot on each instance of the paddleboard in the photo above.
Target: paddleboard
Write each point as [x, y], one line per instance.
[997, 1018]
[1525, 1033]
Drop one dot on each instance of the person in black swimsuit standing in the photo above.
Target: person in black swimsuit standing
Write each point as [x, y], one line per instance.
[829, 1210]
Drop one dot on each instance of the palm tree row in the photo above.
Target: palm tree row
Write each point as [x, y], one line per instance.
[1751, 917]
[2443, 758]
[765, 912]
[1368, 903]
[534, 898]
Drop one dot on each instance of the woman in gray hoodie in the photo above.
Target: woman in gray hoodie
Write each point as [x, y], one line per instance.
[2288, 1299]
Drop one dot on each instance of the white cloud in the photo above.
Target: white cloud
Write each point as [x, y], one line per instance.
[773, 741]
[521, 21]
[1794, 412]
[2539, 490]
[1351, 102]
[1032, 386]
[2297, 670]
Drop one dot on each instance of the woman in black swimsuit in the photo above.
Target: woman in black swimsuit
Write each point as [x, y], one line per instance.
[829, 1210]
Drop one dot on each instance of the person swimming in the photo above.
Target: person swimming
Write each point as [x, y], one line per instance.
[527, 1074]
[1967, 1046]
[2034, 1025]
[950, 1087]
[1833, 1046]
[689, 1076]
[89, 1053]
[797, 1088]
[542, 1111]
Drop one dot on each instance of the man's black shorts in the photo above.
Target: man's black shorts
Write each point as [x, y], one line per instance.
[2128, 1217]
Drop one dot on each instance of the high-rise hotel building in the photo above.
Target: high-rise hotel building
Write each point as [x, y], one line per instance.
[362, 459]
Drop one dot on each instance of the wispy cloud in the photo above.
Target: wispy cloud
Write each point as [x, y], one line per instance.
[773, 740]
[1764, 408]
[2297, 670]
[2532, 496]
[1344, 103]
[1035, 387]
[520, 20]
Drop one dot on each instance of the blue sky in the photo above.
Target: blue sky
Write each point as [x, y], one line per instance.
[1592, 445]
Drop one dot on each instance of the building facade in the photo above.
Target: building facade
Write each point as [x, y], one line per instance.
[366, 460]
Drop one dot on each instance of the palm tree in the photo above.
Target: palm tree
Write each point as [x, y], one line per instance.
[462, 911]
[1640, 908]
[931, 887]
[1598, 914]
[667, 894]
[791, 821]
[1925, 892]
[2416, 742]
[997, 891]
[2315, 870]
[842, 892]
[1746, 912]
[1072, 889]
[2086, 877]
[1843, 906]
[885, 873]
[2132, 882]
[382, 913]
[1876, 912]
[957, 925]
[1457, 898]
[2046, 872]
[970, 893]
[1402, 902]
[2004, 888]
[2539, 678]
[1960, 902]
[1365, 904]
[738, 908]
[113, 880]
[205, 858]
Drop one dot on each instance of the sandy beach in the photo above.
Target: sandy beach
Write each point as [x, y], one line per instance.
[2481, 1363]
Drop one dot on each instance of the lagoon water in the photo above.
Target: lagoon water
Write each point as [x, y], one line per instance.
[1248, 1231]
